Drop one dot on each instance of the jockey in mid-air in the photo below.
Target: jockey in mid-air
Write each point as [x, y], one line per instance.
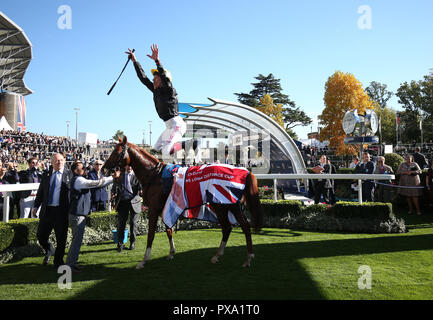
[166, 104]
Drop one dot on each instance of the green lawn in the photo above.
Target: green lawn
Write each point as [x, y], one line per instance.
[288, 265]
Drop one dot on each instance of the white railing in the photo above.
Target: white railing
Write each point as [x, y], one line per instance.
[7, 188]
[334, 176]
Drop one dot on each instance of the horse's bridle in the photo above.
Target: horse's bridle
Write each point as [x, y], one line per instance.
[125, 156]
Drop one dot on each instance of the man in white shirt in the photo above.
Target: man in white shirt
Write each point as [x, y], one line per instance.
[80, 207]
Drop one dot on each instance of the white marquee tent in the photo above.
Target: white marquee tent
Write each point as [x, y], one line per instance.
[4, 124]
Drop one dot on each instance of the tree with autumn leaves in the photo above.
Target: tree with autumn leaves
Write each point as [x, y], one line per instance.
[273, 110]
[343, 92]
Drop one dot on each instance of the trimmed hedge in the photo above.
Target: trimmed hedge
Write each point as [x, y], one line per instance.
[25, 231]
[368, 210]
[346, 210]
[280, 208]
[6, 236]
[104, 221]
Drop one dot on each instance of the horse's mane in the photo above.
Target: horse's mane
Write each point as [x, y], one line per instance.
[141, 152]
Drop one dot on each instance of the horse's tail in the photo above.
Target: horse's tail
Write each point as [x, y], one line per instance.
[253, 202]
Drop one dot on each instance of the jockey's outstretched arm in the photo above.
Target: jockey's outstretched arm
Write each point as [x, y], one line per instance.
[161, 71]
[140, 72]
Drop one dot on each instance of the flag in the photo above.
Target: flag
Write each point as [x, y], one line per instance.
[21, 123]
[196, 188]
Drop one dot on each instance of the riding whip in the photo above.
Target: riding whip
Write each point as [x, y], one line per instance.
[114, 84]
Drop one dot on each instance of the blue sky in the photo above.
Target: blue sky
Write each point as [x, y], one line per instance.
[213, 49]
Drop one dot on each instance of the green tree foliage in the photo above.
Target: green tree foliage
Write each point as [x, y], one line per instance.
[118, 134]
[265, 85]
[379, 93]
[269, 85]
[393, 160]
[388, 120]
[416, 99]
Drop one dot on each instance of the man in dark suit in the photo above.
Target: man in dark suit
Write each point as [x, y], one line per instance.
[128, 203]
[420, 159]
[99, 196]
[53, 198]
[12, 177]
[367, 167]
[320, 184]
[329, 184]
[31, 175]
[2, 181]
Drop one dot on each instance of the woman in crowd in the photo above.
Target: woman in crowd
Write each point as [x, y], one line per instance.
[409, 172]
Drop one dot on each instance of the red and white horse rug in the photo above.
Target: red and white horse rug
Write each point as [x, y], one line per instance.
[194, 188]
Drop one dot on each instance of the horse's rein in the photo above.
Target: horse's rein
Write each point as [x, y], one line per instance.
[125, 156]
[156, 173]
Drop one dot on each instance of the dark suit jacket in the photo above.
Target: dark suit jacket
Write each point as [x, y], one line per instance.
[97, 194]
[44, 187]
[119, 187]
[3, 181]
[367, 168]
[420, 159]
[12, 177]
[26, 176]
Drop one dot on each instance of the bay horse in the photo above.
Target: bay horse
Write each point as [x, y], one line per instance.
[148, 169]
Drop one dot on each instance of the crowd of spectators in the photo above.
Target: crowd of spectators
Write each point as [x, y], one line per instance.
[19, 147]
[25, 155]
[311, 155]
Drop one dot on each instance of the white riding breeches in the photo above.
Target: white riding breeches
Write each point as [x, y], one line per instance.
[175, 129]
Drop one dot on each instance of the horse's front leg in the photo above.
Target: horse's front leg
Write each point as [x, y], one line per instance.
[152, 219]
[170, 240]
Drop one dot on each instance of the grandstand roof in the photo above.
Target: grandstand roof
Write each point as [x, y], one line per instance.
[15, 56]
[234, 117]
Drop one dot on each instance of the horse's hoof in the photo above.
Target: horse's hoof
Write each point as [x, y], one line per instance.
[170, 257]
[249, 259]
[140, 265]
[214, 260]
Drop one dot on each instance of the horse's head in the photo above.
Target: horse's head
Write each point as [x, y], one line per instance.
[119, 158]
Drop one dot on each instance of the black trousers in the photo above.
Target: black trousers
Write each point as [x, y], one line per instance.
[319, 190]
[14, 203]
[98, 206]
[368, 191]
[124, 210]
[53, 218]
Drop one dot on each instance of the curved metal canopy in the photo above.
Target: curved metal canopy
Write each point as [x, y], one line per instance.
[234, 117]
[15, 56]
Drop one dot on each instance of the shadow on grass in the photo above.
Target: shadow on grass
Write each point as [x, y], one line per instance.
[264, 232]
[275, 273]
